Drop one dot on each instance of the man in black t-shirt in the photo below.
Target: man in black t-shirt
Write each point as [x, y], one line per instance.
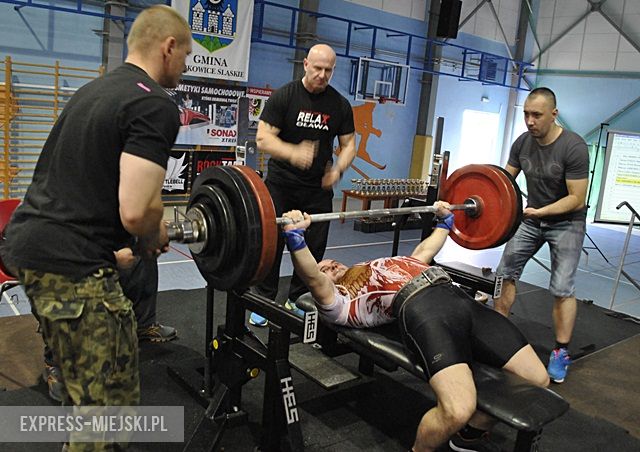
[297, 128]
[97, 183]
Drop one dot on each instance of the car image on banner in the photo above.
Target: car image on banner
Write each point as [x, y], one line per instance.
[208, 113]
[190, 117]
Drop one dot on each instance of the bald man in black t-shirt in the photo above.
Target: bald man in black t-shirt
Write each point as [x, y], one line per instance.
[298, 128]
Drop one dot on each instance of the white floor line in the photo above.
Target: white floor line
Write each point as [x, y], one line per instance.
[623, 279]
[7, 297]
[186, 259]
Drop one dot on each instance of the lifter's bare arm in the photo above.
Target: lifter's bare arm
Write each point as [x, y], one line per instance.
[432, 245]
[319, 284]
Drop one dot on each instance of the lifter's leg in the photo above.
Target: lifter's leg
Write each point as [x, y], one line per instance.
[456, 395]
[526, 364]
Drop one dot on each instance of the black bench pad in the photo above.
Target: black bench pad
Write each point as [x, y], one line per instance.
[501, 394]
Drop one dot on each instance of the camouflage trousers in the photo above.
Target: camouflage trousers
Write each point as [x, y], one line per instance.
[91, 328]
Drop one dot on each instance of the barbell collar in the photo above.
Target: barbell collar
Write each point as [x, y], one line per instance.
[470, 206]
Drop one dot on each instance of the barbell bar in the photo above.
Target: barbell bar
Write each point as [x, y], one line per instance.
[232, 230]
[471, 206]
[191, 230]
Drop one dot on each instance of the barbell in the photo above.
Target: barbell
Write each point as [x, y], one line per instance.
[231, 227]
[471, 206]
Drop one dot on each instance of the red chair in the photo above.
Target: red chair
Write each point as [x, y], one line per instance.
[7, 280]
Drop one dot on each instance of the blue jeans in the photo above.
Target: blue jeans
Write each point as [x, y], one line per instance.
[565, 239]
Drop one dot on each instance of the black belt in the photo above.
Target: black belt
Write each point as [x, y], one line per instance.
[432, 276]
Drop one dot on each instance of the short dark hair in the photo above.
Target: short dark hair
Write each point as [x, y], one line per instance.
[545, 92]
[153, 25]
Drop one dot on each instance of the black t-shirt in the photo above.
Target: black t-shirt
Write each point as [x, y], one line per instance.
[301, 115]
[69, 222]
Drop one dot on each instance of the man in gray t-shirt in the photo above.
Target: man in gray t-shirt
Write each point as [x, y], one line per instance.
[555, 163]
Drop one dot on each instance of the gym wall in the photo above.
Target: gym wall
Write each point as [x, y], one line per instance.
[272, 65]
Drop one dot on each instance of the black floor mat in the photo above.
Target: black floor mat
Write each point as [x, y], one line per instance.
[595, 328]
[379, 416]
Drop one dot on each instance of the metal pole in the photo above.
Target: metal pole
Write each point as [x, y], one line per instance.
[470, 205]
[624, 253]
[634, 215]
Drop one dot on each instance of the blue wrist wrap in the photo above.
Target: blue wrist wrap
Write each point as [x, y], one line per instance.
[445, 222]
[294, 239]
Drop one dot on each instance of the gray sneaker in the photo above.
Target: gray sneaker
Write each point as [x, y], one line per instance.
[157, 333]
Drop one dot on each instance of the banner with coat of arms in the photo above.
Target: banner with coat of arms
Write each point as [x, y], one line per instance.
[221, 31]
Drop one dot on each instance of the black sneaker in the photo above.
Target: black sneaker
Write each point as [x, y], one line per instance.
[157, 333]
[53, 377]
[482, 444]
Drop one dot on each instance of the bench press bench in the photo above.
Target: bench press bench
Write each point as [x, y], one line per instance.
[505, 396]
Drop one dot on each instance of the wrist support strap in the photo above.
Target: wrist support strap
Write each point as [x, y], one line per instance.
[445, 222]
[294, 239]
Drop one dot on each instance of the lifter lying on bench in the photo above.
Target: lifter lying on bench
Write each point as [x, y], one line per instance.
[439, 322]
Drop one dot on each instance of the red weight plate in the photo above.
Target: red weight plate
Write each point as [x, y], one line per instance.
[517, 212]
[498, 200]
[267, 219]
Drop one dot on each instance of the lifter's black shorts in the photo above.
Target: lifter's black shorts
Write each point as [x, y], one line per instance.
[444, 326]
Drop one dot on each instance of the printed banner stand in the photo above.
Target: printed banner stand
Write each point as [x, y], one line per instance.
[221, 31]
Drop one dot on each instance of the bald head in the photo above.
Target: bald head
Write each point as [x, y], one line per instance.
[154, 25]
[322, 51]
[318, 68]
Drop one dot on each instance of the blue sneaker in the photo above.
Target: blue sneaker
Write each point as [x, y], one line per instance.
[559, 362]
[257, 320]
[291, 306]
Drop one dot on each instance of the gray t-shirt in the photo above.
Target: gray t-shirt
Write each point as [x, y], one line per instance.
[547, 168]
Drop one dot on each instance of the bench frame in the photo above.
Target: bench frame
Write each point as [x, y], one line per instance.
[233, 354]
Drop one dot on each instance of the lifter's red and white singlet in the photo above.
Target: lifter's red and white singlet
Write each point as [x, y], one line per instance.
[364, 296]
